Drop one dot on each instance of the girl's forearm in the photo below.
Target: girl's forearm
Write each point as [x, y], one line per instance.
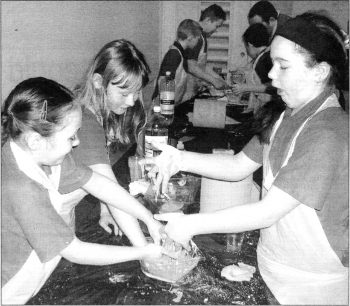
[115, 195]
[274, 206]
[219, 166]
[130, 227]
[127, 223]
[225, 221]
[98, 254]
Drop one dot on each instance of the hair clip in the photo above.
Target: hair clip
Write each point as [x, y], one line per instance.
[43, 112]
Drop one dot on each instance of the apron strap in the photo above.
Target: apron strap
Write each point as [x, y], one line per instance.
[299, 268]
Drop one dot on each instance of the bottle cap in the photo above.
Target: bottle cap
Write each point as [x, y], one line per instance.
[180, 145]
[156, 109]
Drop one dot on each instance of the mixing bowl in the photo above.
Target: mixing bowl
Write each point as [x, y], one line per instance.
[172, 270]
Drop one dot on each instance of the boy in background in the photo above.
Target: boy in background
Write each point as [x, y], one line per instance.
[199, 74]
[265, 13]
[258, 83]
[188, 34]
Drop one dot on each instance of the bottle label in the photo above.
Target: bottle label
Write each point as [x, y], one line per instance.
[150, 151]
[167, 109]
[167, 96]
[167, 102]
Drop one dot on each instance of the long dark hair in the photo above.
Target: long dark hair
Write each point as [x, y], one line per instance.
[264, 119]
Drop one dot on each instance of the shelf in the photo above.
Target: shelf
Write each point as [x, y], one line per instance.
[223, 59]
[218, 46]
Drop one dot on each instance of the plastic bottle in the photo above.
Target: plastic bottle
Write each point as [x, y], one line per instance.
[156, 131]
[167, 97]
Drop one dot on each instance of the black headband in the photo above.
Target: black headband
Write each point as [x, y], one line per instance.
[305, 34]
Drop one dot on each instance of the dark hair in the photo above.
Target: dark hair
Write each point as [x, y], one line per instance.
[188, 27]
[264, 119]
[319, 39]
[264, 9]
[36, 104]
[121, 62]
[257, 35]
[214, 12]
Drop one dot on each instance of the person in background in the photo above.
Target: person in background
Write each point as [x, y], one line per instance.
[39, 124]
[188, 34]
[199, 73]
[303, 215]
[258, 83]
[113, 115]
[265, 13]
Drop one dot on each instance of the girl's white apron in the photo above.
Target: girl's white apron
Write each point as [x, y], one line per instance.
[32, 276]
[256, 100]
[295, 258]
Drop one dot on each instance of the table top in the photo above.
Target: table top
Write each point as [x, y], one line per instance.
[126, 284]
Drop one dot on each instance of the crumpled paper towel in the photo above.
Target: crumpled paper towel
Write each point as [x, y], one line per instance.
[239, 273]
[138, 187]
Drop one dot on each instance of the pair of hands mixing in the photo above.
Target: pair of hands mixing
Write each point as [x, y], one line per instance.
[165, 165]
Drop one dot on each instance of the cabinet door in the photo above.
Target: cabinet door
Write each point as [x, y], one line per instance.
[225, 47]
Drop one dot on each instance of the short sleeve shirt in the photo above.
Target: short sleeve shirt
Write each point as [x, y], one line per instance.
[193, 54]
[263, 67]
[172, 60]
[92, 148]
[28, 220]
[317, 173]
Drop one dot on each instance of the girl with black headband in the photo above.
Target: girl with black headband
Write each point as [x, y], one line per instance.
[303, 213]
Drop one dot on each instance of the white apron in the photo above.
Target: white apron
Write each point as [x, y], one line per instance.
[67, 211]
[295, 258]
[33, 274]
[193, 83]
[256, 100]
[181, 78]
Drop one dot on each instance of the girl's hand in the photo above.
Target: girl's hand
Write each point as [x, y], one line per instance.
[105, 220]
[153, 251]
[154, 227]
[176, 228]
[166, 164]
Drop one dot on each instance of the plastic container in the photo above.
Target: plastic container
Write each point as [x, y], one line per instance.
[181, 191]
[172, 270]
[234, 242]
[167, 97]
[134, 168]
[156, 131]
